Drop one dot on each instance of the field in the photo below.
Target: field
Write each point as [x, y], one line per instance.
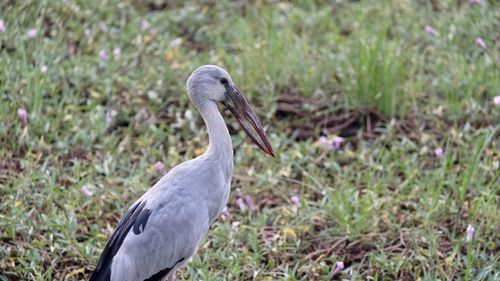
[384, 116]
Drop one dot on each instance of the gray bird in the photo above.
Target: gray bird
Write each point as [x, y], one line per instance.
[164, 228]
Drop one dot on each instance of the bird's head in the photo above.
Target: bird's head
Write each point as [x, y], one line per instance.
[211, 82]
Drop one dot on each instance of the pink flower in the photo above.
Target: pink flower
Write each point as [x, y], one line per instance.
[324, 141]
[85, 191]
[144, 25]
[103, 55]
[431, 31]
[23, 115]
[159, 166]
[235, 225]
[43, 69]
[241, 204]
[339, 266]
[110, 116]
[496, 100]
[337, 142]
[32, 33]
[439, 153]
[175, 43]
[473, 2]
[295, 200]
[88, 34]
[480, 42]
[331, 143]
[250, 203]
[2, 26]
[470, 233]
[104, 26]
[226, 212]
[116, 53]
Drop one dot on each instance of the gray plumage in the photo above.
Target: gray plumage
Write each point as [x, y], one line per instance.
[164, 228]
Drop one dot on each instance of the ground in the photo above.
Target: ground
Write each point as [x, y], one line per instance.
[93, 111]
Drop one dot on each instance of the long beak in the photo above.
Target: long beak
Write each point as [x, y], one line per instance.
[239, 107]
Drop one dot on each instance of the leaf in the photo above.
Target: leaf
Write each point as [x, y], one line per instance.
[199, 151]
[169, 56]
[289, 232]
[148, 38]
[77, 271]
[101, 236]
[450, 258]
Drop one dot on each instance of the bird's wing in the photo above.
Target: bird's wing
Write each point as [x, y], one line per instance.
[135, 217]
[161, 231]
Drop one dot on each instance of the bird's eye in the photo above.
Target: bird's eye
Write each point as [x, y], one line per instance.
[223, 80]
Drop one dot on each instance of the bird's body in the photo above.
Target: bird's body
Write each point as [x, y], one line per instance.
[163, 229]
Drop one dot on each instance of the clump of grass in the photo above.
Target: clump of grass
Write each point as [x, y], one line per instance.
[377, 69]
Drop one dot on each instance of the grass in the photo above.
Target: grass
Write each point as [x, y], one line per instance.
[384, 204]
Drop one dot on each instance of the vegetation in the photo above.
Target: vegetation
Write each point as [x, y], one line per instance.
[382, 117]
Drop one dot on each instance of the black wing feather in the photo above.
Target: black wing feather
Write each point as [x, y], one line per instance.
[162, 273]
[136, 217]
[142, 219]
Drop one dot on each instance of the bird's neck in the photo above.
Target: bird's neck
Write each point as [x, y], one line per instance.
[220, 144]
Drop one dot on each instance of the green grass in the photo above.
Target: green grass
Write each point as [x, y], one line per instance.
[383, 204]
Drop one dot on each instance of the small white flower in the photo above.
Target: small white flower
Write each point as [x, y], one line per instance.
[430, 30]
[470, 233]
[2, 26]
[480, 42]
[43, 69]
[324, 141]
[331, 143]
[337, 142]
[175, 43]
[85, 191]
[250, 203]
[439, 153]
[159, 166]
[241, 204]
[110, 116]
[88, 34]
[496, 100]
[226, 212]
[235, 225]
[32, 33]
[23, 115]
[117, 53]
[104, 26]
[103, 55]
[295, 200]
[144, 25]
[339, 266]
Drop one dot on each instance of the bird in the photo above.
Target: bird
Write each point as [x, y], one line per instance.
[163, 229]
